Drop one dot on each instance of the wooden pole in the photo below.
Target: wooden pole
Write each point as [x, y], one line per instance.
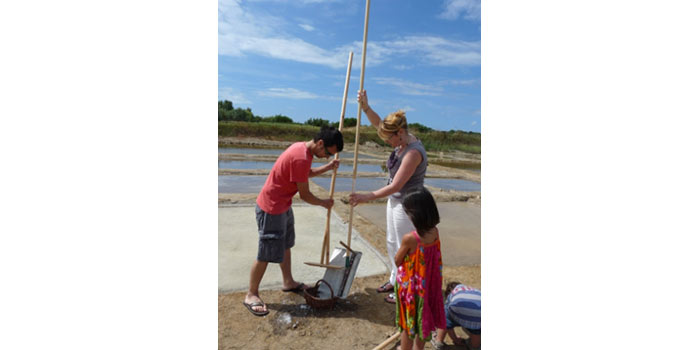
[357, 129]
[325, 265]
[388, 341]
[327, 235]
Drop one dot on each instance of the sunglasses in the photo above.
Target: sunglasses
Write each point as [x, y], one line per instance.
[387, 139]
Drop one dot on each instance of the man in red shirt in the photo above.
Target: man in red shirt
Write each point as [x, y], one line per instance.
[274, 214]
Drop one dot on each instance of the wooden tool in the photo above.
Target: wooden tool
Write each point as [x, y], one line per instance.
[325, 265]
[388, 341]
[357, 129]
[325, 247]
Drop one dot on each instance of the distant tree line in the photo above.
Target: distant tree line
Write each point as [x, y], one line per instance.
[228, 113]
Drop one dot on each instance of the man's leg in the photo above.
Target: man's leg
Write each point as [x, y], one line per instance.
[288, 281]
[257, 271]
[256, 274]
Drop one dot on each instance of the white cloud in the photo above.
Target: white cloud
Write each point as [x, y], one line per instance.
[306, 27]
[474, 123]
[429, 50]
[302, 2]
[242, 32]
[466, 9]
[438, 51]
[408, 109]
[460, 82]
[287, 93]
[314, 1]
[410, 88]
[227, 93]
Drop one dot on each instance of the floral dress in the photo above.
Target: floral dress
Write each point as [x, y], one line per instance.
[420, 309]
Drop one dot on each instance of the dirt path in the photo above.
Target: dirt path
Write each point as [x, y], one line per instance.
[362, 321]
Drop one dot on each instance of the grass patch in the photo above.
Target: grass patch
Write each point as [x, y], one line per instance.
[433, 141]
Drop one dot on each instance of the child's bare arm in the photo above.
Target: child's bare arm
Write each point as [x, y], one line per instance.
[408, 244]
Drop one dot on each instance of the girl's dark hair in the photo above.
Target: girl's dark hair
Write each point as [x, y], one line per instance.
[331, 137]
[449, 288]
[421, 208]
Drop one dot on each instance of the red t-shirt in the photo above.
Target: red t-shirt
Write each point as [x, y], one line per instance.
[292, 166]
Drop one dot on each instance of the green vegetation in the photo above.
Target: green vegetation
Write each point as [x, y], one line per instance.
[347, 122]
[243, 123]
[317, 122]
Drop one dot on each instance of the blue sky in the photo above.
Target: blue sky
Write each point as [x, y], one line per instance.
[290, 58]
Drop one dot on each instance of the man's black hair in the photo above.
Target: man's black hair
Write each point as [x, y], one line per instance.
[330, 137]
[421, 208]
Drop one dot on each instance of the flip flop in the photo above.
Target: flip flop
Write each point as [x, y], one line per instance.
[256, 313]
[390, 299]
[299, 288]
[386, 288]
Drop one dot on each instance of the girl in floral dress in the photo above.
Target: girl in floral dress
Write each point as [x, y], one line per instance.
[419, 309]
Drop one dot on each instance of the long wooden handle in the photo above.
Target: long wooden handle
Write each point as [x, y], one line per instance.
[325, 265]
[346, 247]
[359, 117]
[325, 249]
[388, 341]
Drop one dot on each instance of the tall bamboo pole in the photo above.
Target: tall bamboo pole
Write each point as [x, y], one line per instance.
[357, 129]
[326, 237]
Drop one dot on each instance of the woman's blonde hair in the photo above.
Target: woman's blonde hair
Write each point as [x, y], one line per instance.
[392, 124]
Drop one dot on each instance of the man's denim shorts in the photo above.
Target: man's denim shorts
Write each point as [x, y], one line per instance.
[276, 234]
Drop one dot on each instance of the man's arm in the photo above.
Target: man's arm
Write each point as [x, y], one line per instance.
[309, 197]
[322, 169]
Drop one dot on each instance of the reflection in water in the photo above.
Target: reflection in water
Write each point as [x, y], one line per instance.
[344, 184]
[254, 183]
[241, 184]
[237, 164]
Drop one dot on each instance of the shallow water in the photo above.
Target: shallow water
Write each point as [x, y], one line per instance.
[254, 183]
[344, 184]
[241, 183]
